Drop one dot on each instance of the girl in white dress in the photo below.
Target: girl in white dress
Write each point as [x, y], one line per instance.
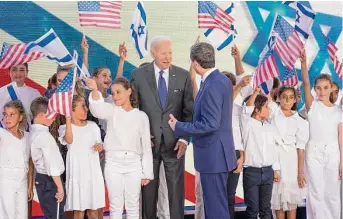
[128, 162]
[323, 152]
[16, 167]
[84, 181]
[293, 131]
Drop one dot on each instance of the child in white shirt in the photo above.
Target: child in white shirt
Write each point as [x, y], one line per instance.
[129, 162]
[47, 160]
[324, 150]
[84, 181]
[260, 163]
[16, 169]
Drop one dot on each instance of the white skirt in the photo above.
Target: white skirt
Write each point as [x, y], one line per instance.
[286, 194]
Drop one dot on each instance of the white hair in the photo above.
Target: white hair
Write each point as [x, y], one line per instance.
[157, 39]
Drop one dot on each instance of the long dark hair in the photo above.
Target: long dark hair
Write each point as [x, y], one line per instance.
[127, 85]
[285, 88]
[260, 101]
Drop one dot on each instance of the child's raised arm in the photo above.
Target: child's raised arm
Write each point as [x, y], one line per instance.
[306, 81]
[68, 136]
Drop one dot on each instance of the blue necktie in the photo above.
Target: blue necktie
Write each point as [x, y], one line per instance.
[162, 89]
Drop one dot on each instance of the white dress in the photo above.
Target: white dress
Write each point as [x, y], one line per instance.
[14, 165]
[293, 131]
[84, 181]
[322, 162]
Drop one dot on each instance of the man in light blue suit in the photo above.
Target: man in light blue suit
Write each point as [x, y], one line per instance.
[211, 129]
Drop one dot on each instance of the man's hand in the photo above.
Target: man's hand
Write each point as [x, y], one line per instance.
[172, 122]
[239, 167]
[235, 53]
[84, 45]
[59, 195]
[181, 148]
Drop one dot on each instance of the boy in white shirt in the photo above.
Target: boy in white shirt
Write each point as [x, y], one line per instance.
[47, 160]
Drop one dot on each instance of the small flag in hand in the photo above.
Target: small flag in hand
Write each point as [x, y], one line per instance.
[100, 13]
[332, 50]
[290, 78]
[61, 101]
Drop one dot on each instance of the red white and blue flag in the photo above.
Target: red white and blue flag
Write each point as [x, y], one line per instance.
[290, 78]
[212, 16]
[61, 101]
[100, 13]
[332, 50]
[12, 55]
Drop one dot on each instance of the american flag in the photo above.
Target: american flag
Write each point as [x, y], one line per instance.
[266, 69]
[61, 101]
[12, 55]
[332, 49]
[100, 13]
[288, 43]
[212, 16]
[290, 78]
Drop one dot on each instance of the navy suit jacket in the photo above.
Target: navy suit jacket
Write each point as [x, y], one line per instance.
[211, 128]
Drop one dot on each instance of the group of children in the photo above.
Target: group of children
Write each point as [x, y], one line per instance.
[270, 138]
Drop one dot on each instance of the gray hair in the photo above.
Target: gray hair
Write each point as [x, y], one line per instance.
[157, 39]
[204, 54]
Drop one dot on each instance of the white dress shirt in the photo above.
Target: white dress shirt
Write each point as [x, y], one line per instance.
[165, 75]
[45, 153]
[126, 131]
[259, 140]
[204, 76]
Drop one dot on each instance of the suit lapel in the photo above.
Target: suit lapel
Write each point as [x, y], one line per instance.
[171, 85]
[152, 82]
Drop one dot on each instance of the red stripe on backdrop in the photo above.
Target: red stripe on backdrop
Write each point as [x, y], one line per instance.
[5, 79]
[189, 187]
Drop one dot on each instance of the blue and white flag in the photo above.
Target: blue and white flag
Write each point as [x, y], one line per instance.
[304, 18]
[52, 47]
[80, 68]
[139, 31]
[221, 38]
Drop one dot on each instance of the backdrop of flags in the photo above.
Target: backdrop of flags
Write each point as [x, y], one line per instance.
[100, 13]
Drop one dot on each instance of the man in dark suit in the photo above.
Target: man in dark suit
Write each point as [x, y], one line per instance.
[211, 129]
[163, 89]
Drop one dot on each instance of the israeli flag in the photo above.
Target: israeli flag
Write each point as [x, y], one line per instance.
[218, 37]
[52, 47]
[139, 31]
[80, 68]
[304, 18]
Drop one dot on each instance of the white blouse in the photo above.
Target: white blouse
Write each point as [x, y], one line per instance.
[259, 138]
[293, 130]
[126, 131]
[324, 123]
[14, 152]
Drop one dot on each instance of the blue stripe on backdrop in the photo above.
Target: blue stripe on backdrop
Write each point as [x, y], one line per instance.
[31, 29]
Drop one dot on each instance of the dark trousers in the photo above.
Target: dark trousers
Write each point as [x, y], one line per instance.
[46, 191]
[232, 183]
[214, 187]
[258, 186]
[174, 169]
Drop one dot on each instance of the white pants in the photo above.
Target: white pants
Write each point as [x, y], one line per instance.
[13, 194]
[163, 200]
[123, 175]
[322, 167]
